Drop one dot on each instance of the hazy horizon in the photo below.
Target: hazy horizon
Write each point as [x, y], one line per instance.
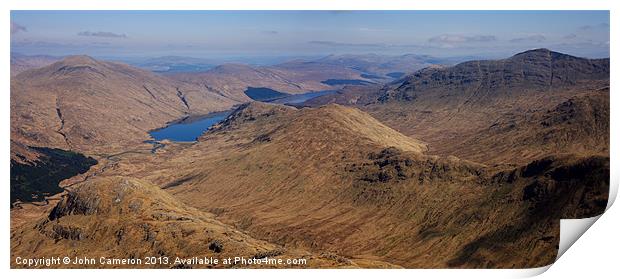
[284, 35]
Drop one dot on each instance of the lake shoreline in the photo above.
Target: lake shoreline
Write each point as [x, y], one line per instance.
[188, 128]
[191, 118]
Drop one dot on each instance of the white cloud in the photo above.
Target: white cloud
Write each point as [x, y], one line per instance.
[101, 34]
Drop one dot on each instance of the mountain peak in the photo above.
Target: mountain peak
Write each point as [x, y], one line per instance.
[543, 53]
[297, 129]
[534, 51]
[79, 60]
[538, 69]
[75, 66]
[70, 66]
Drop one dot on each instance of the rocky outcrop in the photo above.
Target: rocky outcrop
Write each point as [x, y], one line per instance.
[128, 218]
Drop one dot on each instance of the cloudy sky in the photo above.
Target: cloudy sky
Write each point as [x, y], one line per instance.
[210, 34]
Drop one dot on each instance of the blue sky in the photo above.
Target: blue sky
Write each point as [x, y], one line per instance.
[216, 34]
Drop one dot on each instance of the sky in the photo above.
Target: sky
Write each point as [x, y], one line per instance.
[218, 34]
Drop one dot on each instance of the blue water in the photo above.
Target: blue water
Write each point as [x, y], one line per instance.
[300, 98]
[264, 94]
[189, 130]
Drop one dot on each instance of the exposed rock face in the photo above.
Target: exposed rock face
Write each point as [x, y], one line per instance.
[82, 202]
[391, 164]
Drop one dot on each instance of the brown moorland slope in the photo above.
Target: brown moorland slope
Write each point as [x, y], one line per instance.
[314, 179]
[83, 104]
[497, 111]
[340, 184]
[125, 218]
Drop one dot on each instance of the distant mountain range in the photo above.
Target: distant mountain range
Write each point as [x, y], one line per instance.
[366, 63]
[382, 64]
[301, 76]
[175, 64]
[291, 77]
[20, 62]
